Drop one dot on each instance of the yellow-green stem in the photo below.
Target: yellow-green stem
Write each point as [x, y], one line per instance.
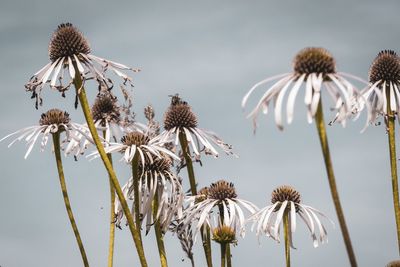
[223, 254]
[136, 200]
[159, 234]
[286, 234]
[390, 121]
[80, 90]
[189, 166]
[228, 255]
[319, 121]
[56, 141]
[112, 217]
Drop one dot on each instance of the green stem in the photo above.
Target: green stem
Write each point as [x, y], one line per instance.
[112, 217]
[80, 91]
[390, 123]
[136, 201]
[56, 141]
[228, 256]
[159, 234]
[286, 234]
[189, 166]
[319, 120]
[223, 254]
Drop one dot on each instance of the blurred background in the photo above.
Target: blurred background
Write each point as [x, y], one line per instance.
[211, 53]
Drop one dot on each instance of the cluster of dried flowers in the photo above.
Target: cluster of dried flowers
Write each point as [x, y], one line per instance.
[156, 191]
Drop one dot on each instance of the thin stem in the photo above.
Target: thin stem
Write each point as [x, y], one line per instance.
[189, 166]
[136, 201]
[223, 254]
[56, 141]
[287, 236]
[319, 121]
[228, 256]
[112, 217]
[80, 91]
[390, 123]
[159, 234]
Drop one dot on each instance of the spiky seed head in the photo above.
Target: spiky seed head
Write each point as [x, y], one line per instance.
[179, 115]
[54, 116]
[135, 138]
[67, 41]
[385, 67]
[285, 192]
[394, 264]
[222, 190]
[202, 195]
[314, 60]
[105, 108]
[224, 235]
[158, 165]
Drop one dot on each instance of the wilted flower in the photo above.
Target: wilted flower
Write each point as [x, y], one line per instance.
[51, 122]
[224, 235]
[156, 182]
[384, 84]
[285, 199]
[222, 196]
[316, 68]
[69, 52]
[180, 119]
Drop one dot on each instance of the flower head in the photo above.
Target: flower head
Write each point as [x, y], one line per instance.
[51, 122]
[316, 68]
[70, 55]
[157, 183]
[219, 196]
[224, 235]
[286, 201]
[382, 92]
[180, 119]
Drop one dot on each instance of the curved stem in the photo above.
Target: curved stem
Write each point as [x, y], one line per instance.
[136, 200]
[319, 121]
[112, 217]
[159, 234]
[80, 91]
[390, 123]
[189, 166]
[56, 141]
[287, 241]
[223, 254]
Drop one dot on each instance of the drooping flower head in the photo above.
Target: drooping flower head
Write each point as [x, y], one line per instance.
[215, 206]
[286, 201]
[70, 54]
[316, 68]
[51, 122]
[157, 183]
[384, 84]
[180, 119]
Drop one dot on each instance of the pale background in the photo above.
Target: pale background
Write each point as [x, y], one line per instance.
[211, 52]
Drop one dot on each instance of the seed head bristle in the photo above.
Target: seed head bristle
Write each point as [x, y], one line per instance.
[394, 264]
[222, 190]
[135, 138]
[105, 108]
[158, 165]
[385, 67]
[54, 116]
[314, 60]
[285, 192]
[179, 114]
[224, 235]
[67, 41]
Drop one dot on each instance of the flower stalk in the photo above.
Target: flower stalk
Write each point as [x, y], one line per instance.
[319, 121]
[159, 234]
[80, 91]
[189, 166]
[223, 254]
[286, 234]
[390, 124]
[135, 177]
[56, 141]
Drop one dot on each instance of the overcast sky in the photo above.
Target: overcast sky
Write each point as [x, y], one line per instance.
[211, 53]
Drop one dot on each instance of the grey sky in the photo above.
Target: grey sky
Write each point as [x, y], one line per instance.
[211, 53]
